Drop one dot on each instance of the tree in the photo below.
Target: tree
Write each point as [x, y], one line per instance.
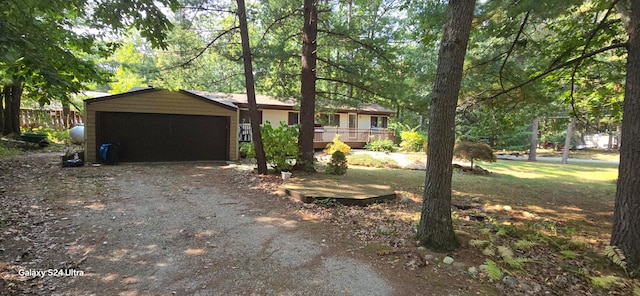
[436, 227]
[41, 54]
[625, 232]
[308, 85]
[471, 151]
[251, 92]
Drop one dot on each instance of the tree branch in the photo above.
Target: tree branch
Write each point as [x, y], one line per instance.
[469, 102]
[365, 45]
[511, 48]
[201, 52]
[330, 63]
[599, 27]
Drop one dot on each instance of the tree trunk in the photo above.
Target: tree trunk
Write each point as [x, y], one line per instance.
[6, 123]
[610, 140]
[251, 92]
[533, 144]
[625, 233]
[66, 112]
[11, 121]
[436, 227]
[567, 141]
[16, 94]
[308, 88]
[3, 93]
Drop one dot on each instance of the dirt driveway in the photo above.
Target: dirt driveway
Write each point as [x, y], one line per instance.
[163, 229]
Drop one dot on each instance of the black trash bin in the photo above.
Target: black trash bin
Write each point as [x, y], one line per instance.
[109, 153]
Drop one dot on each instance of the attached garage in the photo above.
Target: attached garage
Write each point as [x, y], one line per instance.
[152, 125]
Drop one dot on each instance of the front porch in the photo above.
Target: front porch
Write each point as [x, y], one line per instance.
[354, 137]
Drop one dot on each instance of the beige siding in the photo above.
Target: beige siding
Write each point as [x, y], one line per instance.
[163, 102]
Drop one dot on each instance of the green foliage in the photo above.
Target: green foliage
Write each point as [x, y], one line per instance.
[280, 145]
[8, 151]
[369, 161]
[616, 256]
[337, 145]
[56, 135]
[492, 269]
[568, 254]
[338, 164]
[470, 151]
[412, 141]
[381, 146]
[248, 150]
[480, 244]
[604, 282]
[524, 245]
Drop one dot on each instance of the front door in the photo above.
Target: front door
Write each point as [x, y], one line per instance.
[353, 126]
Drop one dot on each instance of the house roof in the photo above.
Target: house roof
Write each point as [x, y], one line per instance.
[140, 90]
[267, 102]
[240, 100]
[235, 101]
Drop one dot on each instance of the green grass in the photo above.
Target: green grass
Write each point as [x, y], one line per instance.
[596, 154]
[579, 196]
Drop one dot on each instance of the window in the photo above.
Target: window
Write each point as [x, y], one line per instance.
[379, 121]
[325, 119]
[294, 118]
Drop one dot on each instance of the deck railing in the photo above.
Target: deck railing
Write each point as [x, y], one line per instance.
[326, 134]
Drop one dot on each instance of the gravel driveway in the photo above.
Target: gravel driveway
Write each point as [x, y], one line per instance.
[188, 229]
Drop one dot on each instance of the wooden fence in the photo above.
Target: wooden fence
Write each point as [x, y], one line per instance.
[49, 118]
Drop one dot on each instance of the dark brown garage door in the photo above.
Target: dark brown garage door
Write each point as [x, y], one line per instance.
[164, 137]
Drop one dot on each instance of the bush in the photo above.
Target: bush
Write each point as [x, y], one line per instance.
[337, 145]
[280, 144]
[380, 145]
[412, 141]
[338, 164]
[472, 150]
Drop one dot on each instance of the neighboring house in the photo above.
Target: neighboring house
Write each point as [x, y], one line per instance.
[356, 126]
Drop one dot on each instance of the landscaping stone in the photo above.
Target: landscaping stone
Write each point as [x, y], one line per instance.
[459, 265]
[510, 281]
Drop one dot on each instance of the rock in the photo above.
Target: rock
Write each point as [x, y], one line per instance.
[421, 248]
[473, 271]
[507, 208]
[459, 265]
[406, 200]
[510, 281]
[428, 257]
[447, 260]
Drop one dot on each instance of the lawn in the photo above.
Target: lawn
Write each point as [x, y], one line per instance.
[578, 195]
[597, 154]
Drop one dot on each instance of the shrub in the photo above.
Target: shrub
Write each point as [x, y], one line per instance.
[338, 164]
[247, 150]
[337, 145]
[412, 141]
[472, 150]
[380, 145]
[280, 144]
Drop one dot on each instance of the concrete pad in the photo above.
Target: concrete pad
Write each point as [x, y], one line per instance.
[321, 187]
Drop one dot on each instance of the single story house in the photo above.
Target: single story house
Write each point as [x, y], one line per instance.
[151, 124]
[355, 125]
